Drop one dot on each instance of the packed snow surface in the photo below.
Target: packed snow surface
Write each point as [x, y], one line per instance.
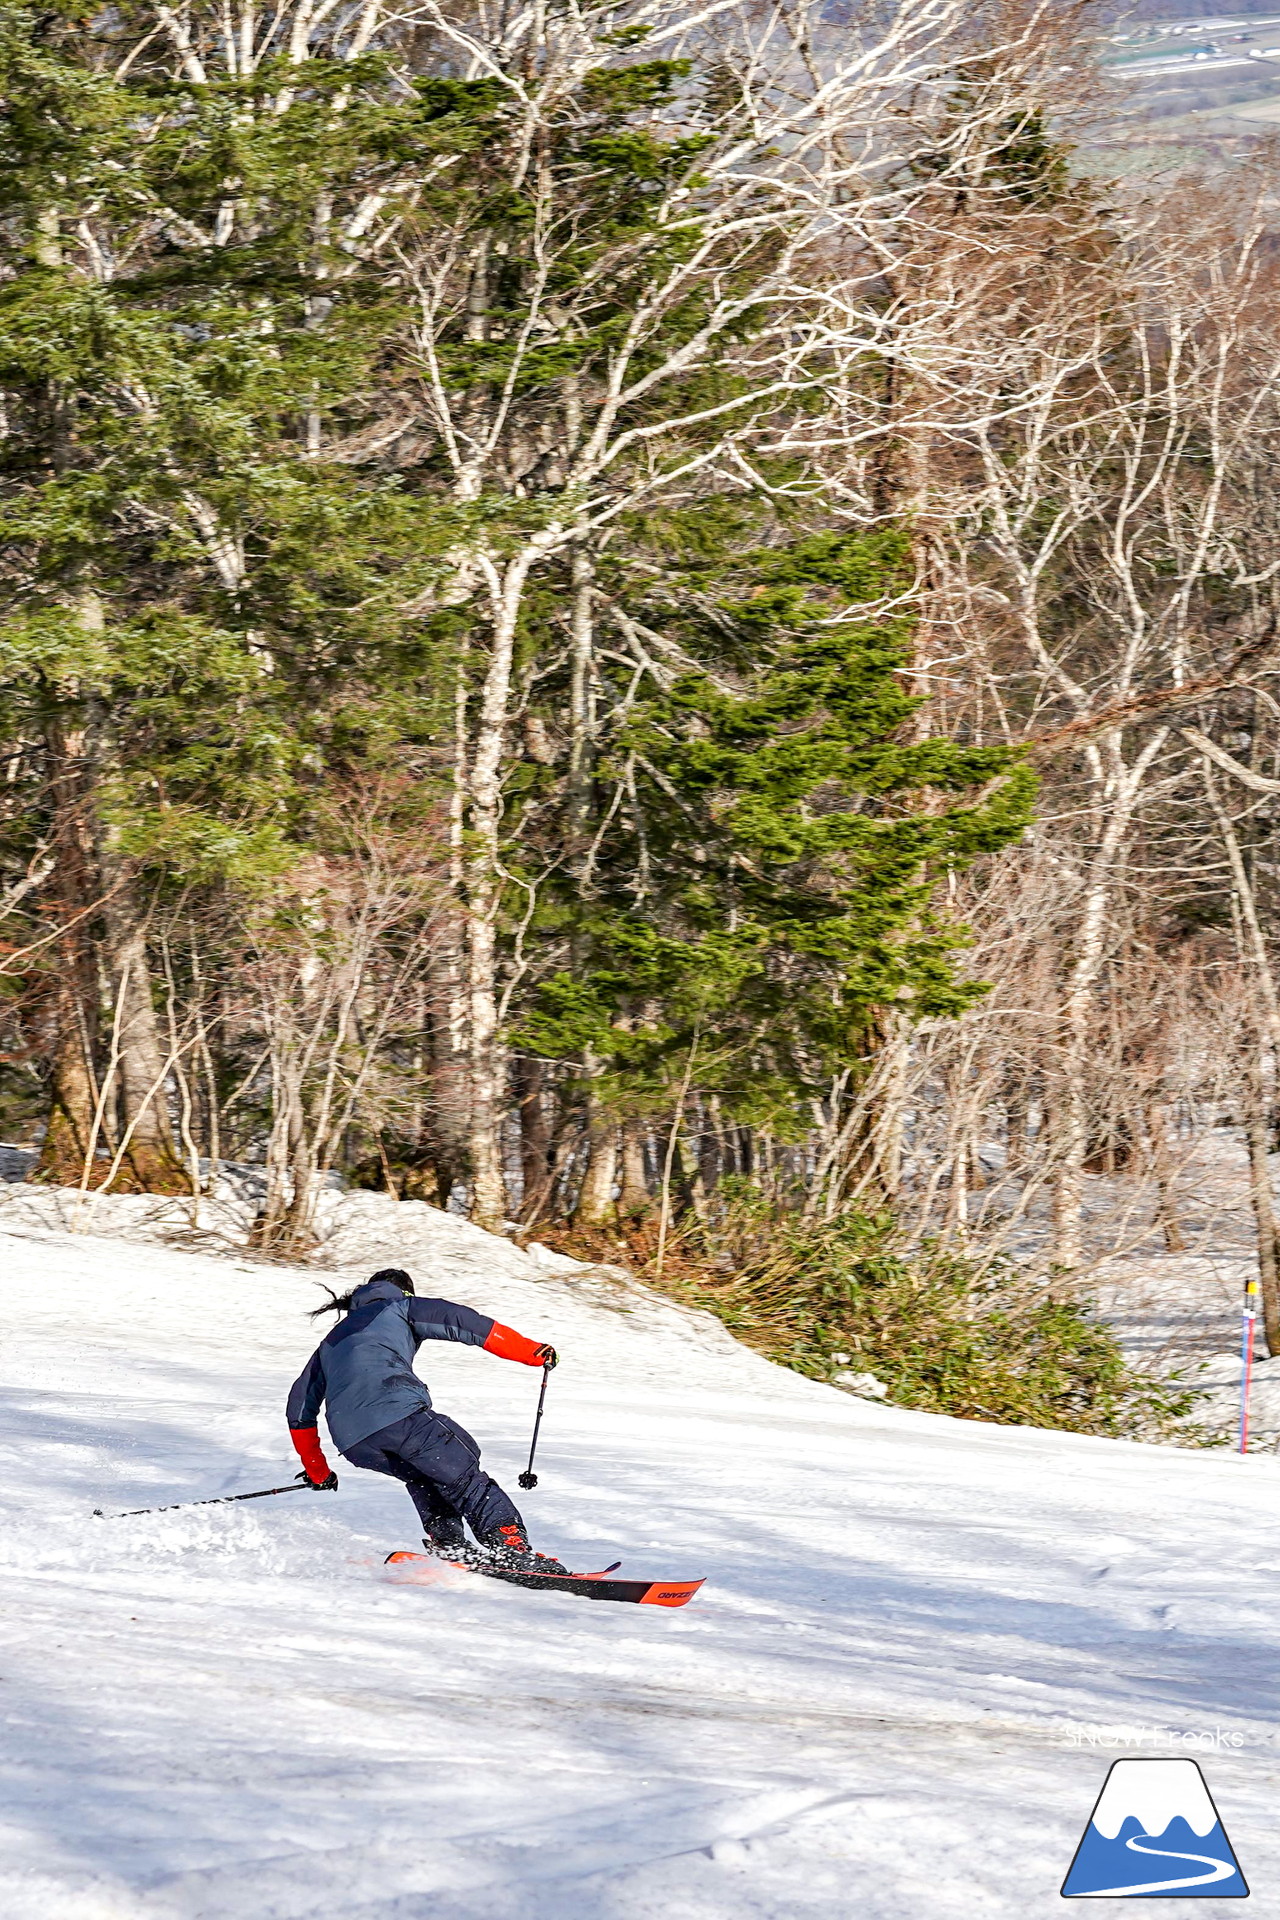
[920, 1644]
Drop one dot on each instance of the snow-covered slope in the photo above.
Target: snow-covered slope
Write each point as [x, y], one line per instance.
[875, 1707]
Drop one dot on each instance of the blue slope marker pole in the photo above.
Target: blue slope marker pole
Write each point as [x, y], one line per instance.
[1250, 1320]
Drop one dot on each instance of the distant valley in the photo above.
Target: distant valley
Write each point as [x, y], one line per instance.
[1199, 86]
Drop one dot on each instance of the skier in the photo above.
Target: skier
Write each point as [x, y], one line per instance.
[380, 1414]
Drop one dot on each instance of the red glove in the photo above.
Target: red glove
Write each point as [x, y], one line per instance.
[318, 1470]
[510, 1345]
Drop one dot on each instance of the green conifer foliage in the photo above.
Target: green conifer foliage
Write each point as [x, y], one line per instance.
[331, 373]
[203, 587]
[766, 885]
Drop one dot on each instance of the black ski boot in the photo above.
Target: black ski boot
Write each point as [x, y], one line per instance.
[448, 1538]
[508, 1548]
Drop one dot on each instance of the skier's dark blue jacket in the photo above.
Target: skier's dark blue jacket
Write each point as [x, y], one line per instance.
[362, 1372]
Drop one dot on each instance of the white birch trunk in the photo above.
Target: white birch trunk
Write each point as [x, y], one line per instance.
[1078, 999]
[488, 1066]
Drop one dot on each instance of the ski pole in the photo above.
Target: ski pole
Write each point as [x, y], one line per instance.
[529, 1478]
[299, 1485]
[1246, 1357]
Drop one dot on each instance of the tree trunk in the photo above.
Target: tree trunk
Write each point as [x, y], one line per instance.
[448, 1126]
[307, 1132]
[285, 1123]
[1257, 1119]
[1075, 1029]
[488, 1066]
[711, 1153]
[1158, 1134]
[595, 1196]
[689, 1167]
[566, 1141]
[635, 1198]
[891, 1106]
[151, 1162]
[484, 1138]
[1255, 1128]
[72, 1094]
[150, 1157]
[209, 1078]
[1015, 1109]
[535, 1139]
[299, 1234]
[956, 1221]
[581, 715]
[447, 1121]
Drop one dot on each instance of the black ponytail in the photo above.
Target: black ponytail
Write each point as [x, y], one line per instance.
[336, 1303]
[341, 1302]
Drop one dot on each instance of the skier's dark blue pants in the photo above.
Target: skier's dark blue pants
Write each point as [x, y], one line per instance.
[439, 1463]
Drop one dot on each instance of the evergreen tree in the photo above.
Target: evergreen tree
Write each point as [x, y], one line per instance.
[205, 586]
[765, 844]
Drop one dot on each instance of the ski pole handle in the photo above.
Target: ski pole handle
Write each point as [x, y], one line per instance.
[529, 1478]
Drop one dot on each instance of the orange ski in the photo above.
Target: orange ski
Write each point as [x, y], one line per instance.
[588, 1586]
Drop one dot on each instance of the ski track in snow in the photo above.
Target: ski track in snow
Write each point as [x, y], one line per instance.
[868, 1710]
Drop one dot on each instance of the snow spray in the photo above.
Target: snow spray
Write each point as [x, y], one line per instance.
[1250, 1318]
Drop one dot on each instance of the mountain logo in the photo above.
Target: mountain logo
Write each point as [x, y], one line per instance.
[1155, 1830]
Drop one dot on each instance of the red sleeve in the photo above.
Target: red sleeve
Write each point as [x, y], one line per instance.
[510, 1345]
[307, 1442]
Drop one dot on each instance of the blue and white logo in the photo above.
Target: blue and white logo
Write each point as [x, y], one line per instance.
[1155, 1830]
